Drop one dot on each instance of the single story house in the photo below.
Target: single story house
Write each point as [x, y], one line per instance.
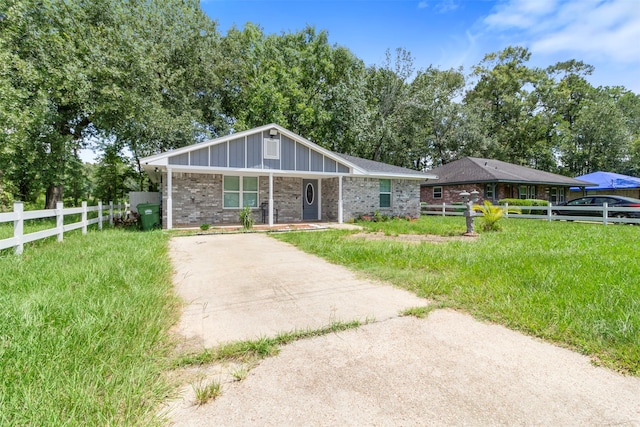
[282, 176]
[607, 183]
[495, 180]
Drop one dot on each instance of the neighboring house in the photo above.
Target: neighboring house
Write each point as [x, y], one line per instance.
[495, 180]
[282, 176]
[608, 183]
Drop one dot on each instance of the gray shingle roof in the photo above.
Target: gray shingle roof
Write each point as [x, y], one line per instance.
[373, 167]
[477, 170]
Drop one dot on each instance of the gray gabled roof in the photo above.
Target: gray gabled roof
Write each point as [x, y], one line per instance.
[373, 167]
[469, 170]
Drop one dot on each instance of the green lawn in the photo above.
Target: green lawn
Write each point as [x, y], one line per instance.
[575, 284]
[83, 330]
[84, 323]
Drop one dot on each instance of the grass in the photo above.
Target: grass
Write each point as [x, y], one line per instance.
[83, 330]
[572, 283]
[252, 350]
[206, 391]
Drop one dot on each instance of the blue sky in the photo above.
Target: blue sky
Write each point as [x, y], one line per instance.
[453, 33]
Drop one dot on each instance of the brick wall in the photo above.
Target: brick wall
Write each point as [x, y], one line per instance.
[451, 193]
[361, 196]
[197, 199]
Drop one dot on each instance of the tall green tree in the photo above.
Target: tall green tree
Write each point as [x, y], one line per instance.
[445, 129]
[503, 96]
[141, 72]
[388, 134]
[297, 80]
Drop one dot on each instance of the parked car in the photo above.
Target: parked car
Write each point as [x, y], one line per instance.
[598, 200]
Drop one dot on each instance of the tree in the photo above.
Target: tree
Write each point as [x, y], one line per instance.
[297, 80]
[387, 135]
[600, 139]
[142, 71]
[507, 106]
[445, 129]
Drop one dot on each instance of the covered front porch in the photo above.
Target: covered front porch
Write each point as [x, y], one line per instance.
[191, 198]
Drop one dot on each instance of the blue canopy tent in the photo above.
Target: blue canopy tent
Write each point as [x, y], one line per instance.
[609, 181]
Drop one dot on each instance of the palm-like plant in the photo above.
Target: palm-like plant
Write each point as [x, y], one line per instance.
[491, 214]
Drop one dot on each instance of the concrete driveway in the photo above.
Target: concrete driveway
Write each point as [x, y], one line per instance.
[244, 286]
[447, 369]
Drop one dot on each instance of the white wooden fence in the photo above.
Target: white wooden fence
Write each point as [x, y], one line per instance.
[19, 215]
[607, 215]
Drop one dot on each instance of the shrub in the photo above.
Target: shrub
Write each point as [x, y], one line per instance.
[526, 202]
[491, 215]
[246, 218]
[204, 227]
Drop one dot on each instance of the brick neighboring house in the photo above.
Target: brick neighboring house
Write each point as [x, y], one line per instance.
[495, 180]
[282, 176]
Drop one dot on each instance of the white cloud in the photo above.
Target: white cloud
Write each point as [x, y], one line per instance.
[598, 29]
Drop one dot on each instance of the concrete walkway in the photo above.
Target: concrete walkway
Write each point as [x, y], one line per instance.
[447, 369]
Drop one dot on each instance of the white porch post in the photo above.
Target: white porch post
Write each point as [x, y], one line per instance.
[340, 219]
[270, 199]
[169, 201]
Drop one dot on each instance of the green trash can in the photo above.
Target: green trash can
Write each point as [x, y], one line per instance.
[149, 214]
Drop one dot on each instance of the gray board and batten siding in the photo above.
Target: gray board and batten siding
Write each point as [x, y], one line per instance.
[247, 152]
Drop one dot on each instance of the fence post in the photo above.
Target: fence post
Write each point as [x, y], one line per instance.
[444, 210]
[605, 213]
[506, 209]
[549, 215]
[18, 226]
[60, 220]
[111, 213]
[100, 215]
[84, 217]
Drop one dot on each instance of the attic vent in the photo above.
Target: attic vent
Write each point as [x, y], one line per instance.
[271, 148]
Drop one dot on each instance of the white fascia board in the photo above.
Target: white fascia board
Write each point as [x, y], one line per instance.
[244, 171]
[421, 177]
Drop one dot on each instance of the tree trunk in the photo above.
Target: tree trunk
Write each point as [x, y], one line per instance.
[54, 195]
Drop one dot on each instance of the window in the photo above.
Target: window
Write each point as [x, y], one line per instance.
[489, 191]
[240, 189]
[556, 194]
[271, 148]
[527, 192]
[385, 193]
[437, 192]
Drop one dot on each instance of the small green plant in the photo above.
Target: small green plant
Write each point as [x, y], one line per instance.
[207, 391]
[491, 215]
[246, 218]
[419, 312]
[204, 227]
[240, 373]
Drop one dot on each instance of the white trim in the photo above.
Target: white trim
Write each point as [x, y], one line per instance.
[320, 198]
[169, 200]
[271, 200]
[241, 192]
[340, 207]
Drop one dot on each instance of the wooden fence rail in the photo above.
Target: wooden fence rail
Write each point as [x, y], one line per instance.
[605, 214]
[19, 216]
